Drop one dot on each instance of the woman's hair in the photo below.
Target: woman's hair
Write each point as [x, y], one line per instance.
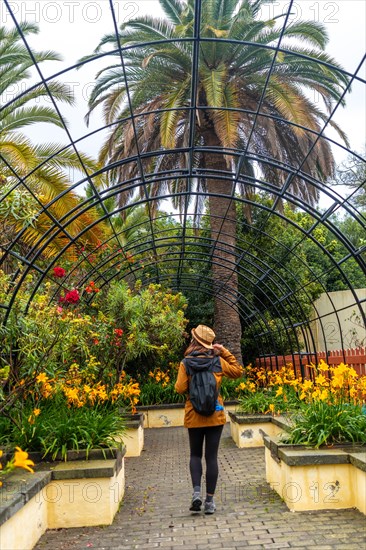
[195, 346]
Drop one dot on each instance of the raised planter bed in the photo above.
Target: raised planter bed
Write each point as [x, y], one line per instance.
[163, 416]
[247, 429]
[317, 479]
[166, 416]
[133, 439]
[75, 493]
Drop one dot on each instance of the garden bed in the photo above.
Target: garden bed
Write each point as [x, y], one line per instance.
[169, 415]
[133, 437]
[72, 493]
[317, 479]
[247, 429]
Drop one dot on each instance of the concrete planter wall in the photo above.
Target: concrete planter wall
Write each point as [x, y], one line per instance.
[76, 493]
[133, 439]
[317, 479]
[247, 429]
[165, 416]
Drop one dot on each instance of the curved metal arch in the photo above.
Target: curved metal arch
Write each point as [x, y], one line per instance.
[266, 271]
[185, 288]
[266, 333]
[287, 221]
[271, 290]
[99, 199]
[224, 299]
[323, 219]
[79, 210]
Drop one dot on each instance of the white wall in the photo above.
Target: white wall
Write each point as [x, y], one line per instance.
[338, 315]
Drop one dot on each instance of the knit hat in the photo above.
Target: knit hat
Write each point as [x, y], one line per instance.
[204, 335]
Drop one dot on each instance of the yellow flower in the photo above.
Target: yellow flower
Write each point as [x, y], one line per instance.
[42, 378]
[307, 385]
[32, 417]
[279, 391]
[251, 387]
[321, 380]
[322, 366]
[21, 460]
[324, 395]
[353, 392]
[47, 390]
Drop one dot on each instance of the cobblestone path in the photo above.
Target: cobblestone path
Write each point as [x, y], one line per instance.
[154, 513]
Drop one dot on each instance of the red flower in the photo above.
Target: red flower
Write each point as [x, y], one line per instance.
[72, 297]
[118, 332]
[59, 272]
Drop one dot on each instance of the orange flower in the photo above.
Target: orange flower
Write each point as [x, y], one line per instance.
[42, 378]
[91, 288]
[21, 460]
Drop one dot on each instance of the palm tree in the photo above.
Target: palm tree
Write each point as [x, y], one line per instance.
[43, 167]
[236, 52]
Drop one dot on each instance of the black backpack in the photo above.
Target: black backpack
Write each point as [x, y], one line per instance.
[203, 392]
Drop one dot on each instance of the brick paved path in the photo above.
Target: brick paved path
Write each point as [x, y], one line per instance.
[154, 513]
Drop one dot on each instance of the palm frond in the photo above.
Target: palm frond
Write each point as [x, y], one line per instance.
[226, 120]
[173, 10]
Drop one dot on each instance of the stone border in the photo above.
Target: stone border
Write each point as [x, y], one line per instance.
[317, 479]
[133, 438]
[172, 415]
[247, 429]
[75, 493]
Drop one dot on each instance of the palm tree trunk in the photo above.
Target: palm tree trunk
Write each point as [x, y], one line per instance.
[223, 234]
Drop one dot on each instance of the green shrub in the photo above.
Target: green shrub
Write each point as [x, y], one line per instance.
[155, 394]
[59, 428]
[322, 423]
[229, 388]
[257, 402]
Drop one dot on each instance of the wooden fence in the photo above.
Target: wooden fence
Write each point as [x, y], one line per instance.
[355, 357]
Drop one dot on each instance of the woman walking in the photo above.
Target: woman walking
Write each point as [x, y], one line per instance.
[203, 354]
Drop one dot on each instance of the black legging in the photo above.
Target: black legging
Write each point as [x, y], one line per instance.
[211, 435]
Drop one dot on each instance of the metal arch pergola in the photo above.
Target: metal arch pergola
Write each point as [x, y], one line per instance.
[258, 270]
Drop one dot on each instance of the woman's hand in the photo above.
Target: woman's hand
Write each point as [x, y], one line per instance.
[218, 347]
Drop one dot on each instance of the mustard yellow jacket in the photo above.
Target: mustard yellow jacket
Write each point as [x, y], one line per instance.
[230, 368]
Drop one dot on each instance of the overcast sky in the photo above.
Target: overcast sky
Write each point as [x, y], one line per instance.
[74, 28]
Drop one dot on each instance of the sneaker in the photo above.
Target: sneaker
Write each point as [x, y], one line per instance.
[210, 507]
[196, 503]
